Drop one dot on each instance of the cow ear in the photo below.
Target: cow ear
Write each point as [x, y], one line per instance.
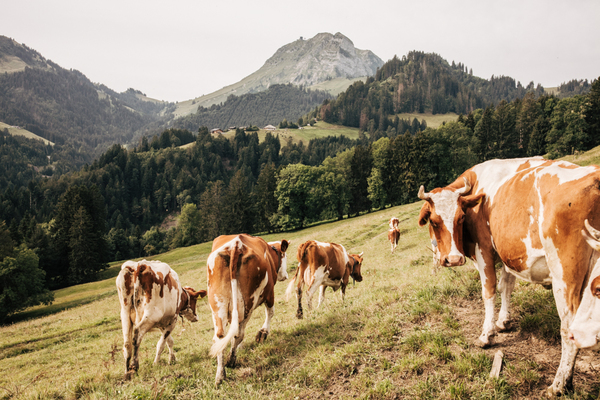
[424, 214]
[472, 201]
[193, 293]
[284, 245]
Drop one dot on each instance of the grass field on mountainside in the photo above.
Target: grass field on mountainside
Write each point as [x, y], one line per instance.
[401, 333]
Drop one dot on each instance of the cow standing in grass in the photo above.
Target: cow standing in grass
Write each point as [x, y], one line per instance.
[151, 297]
[321, 265]
[528, 214]
[394, 233]
[242, 271]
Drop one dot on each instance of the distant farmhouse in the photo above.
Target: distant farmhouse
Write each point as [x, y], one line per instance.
[269, 128]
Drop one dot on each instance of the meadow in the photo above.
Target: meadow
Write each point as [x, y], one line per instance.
[402, 333]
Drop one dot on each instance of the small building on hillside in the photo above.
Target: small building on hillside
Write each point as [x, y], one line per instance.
[216, 132]
[269, 128]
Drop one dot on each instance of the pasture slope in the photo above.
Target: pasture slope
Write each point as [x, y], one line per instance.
[402, 333]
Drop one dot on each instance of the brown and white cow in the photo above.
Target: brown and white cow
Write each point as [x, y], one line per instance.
[527, 214]
[321, 265]
[242, 271]
[151, 297]
[394, 233]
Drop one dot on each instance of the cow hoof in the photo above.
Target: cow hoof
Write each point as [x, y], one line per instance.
[261, 336]
[550, 393]
[299, 315]
[231, 362]
[480, 343]
[503, 326]
[129, 375]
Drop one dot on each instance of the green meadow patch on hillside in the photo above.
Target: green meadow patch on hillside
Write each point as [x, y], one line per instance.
[432, 120]
[401, 333]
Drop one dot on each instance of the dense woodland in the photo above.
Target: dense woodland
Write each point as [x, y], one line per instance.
[156, 196]
[276, 103]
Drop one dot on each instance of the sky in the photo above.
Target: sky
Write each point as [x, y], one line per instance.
[177, 50]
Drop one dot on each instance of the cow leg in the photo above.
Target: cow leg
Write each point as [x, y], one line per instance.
[315, 283]
[127, 338]
[299, 313]
[321, 295]
[138, 334]
[506, 286]
[564, 374]
[487, 274]
[167, 339]
[262, 334]
[220, 377]
[235, 343]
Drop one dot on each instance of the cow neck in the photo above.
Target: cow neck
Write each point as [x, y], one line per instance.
[278, 258]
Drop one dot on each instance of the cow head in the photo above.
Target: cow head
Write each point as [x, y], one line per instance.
[585, 328]
[445, 210]
[355, 264]
[189, 297]
[280, 248]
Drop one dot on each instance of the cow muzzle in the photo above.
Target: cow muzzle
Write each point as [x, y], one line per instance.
[453, 261]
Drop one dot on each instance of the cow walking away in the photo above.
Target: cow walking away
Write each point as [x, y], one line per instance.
[151, 297]
[528, 214]
[242, 271]
[321, 265]
[394, 233]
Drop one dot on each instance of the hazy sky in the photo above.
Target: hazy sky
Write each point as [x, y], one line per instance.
[180, 49]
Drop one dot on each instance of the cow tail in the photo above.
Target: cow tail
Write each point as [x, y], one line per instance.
[290, 287]
[301, 255]
[234, 255]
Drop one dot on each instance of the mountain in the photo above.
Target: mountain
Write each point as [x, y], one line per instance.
[325, 62]
[65, 107]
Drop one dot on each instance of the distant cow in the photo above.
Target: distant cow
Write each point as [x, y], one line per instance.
[394, 233]
[242, 271]
[321, 265]
[151, 297]
[529, 215]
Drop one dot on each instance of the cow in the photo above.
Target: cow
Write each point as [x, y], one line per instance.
[585, 329]
[527, 214]
[321, 265]
[393, 233]
[151, 297]
[241, 272]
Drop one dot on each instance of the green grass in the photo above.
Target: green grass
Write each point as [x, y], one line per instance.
[397, 335]
[433, 120]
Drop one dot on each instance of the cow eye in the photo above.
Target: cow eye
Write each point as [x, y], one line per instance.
[596, 292]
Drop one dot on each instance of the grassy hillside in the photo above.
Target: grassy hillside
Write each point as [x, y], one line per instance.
[401, 333]
[13, 130]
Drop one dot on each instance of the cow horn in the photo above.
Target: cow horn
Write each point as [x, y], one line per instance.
[466, 188]
[593, 231]
[422, 195]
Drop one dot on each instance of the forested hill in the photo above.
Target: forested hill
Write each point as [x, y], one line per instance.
[64, 106]
[277, 103]
[420, 82]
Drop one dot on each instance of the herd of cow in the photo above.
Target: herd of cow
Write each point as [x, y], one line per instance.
[241, 272]
[533, 217]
